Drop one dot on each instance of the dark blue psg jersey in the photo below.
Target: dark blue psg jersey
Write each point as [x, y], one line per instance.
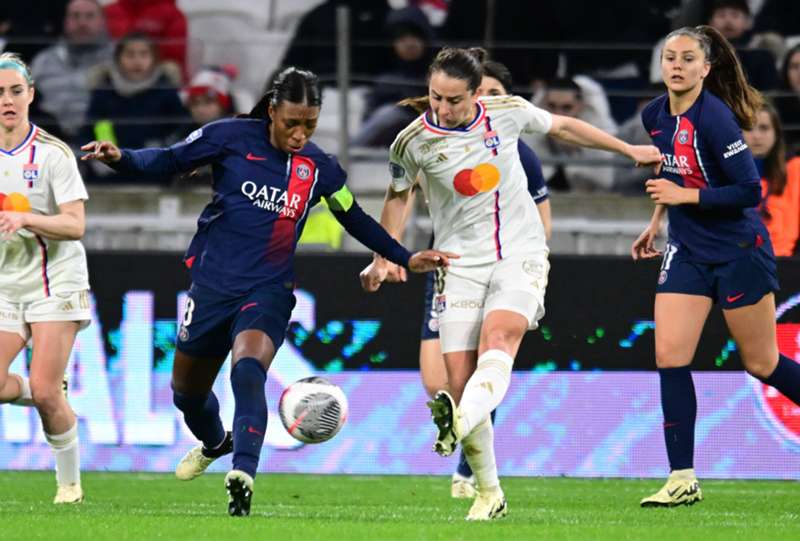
[246, 236]
[703, 148]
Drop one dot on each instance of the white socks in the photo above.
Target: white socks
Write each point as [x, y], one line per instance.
[485, 389]
[67, 452]
[479, 449]
[25, 397]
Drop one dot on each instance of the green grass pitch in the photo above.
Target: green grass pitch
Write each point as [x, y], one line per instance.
[154, 506]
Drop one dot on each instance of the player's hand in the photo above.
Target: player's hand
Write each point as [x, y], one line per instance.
[104, 151]
[396, 273]
[644, 155]
[374, 274]
[644, 246]
[428, 260]
[666, 192]
[11, 222]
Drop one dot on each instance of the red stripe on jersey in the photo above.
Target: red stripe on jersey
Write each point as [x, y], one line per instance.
[498, 248]
[45, 278]
[302, 172]
[686, 156]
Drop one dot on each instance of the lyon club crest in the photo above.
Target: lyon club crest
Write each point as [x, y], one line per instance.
[30, 172]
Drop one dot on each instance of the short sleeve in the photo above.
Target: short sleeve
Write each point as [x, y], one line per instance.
[403, 168]
[534, 119]
[67, 183]
[725, 141]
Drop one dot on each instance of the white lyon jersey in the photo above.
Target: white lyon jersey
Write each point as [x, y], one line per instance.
[473, 179]
[43, 169]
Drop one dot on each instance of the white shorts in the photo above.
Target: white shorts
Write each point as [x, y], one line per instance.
[466, 294]
[16, 317]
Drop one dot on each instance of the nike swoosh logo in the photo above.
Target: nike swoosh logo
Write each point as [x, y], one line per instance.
[252, 157]
[734, 298]
[672, 493]
[254, 431]
[653, 133]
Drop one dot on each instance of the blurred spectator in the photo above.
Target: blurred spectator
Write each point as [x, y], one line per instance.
[579, 97]
[61, 71]
[28, 27]
[732, 18]
[435, 10]
[780, 185]
[781, 16]
[134, 101]
[788, 102]
[313, 45]
[695, 12]
[411, 33]
[162, 20]
[208, 98]
[472, 22]
[627, 178]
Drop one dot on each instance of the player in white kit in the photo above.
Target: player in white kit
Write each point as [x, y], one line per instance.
[44, 283]
[466, 150]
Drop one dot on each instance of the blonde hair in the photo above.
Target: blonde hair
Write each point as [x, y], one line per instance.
[14, 62]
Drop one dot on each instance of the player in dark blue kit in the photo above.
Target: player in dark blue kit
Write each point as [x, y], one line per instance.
[718, 249]
[267, 175]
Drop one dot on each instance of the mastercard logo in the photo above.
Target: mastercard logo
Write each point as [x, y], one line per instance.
[484, 178]
[14, 201]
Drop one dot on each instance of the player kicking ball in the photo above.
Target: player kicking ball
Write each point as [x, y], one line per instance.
[267, 175]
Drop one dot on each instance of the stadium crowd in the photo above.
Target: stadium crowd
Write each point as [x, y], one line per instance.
[132, 71]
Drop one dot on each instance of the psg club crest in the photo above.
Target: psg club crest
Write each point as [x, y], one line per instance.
[302, 171]
[30, 172]
[683, 136]
[441, 303]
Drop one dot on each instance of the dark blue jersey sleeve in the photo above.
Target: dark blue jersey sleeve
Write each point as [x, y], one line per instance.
[201, 147]
[357, 222]
[366, 230]
[724, 139]
[533, 170]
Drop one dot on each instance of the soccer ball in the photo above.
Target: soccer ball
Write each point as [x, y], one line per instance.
[313, 409]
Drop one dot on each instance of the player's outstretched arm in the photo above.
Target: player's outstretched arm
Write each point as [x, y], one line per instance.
[578, 132]
[145, 161]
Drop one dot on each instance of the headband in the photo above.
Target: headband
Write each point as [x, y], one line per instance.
[11, 65]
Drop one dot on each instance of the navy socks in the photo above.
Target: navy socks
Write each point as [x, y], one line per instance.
[786, 378]
[201, 414]
[248, 378]
[679, 404]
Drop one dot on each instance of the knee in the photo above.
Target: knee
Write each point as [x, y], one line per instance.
[670, 355]
[186, 402]
[501, 338]
[47, 396]
[760, 364]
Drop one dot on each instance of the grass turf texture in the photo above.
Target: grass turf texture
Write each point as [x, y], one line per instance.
[145, 506]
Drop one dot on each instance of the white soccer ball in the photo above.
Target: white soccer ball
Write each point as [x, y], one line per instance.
[313, 409]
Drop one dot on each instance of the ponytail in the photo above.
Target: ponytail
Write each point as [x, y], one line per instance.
[727, 79]
[420, 104]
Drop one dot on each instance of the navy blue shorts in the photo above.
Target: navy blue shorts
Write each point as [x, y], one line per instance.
[430, 318]
[732, 284]
[212, 319]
